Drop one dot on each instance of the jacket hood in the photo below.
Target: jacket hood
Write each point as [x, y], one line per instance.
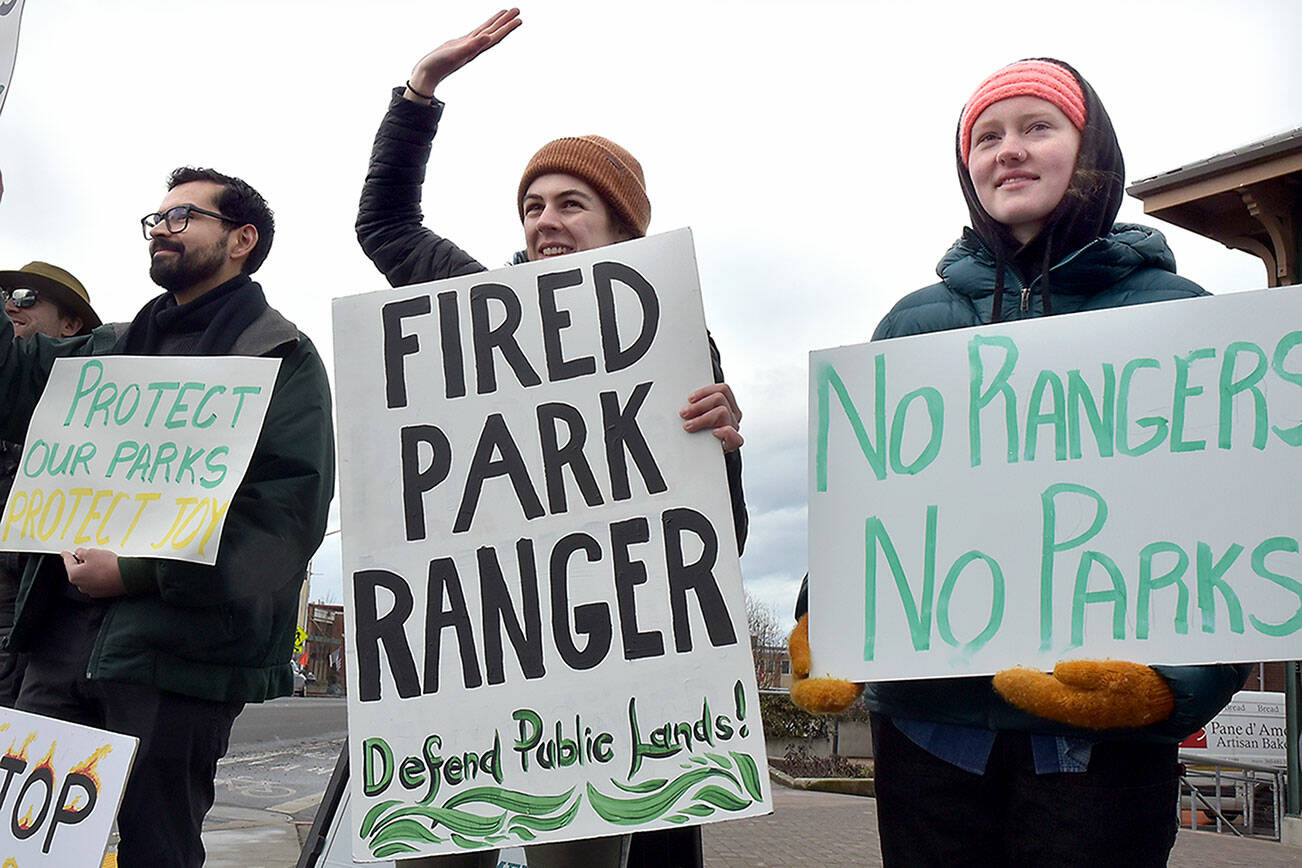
[1092, 200]
[1087, 210]
[968, 267]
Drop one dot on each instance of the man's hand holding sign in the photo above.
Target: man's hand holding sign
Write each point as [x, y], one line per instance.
[94, 572]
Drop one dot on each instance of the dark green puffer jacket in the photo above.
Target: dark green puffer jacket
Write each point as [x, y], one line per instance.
[223, 632]
[1131, 265]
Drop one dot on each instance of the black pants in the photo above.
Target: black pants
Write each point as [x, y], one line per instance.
[170, 788]
[1121, 811]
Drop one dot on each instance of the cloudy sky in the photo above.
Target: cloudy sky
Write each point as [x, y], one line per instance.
[809, 145]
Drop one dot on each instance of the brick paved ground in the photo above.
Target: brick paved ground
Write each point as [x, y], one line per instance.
[825, 829]
[805, 829]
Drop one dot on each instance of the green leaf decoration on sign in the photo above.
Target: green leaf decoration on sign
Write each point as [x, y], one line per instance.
[511, 800]
[405, 830]
[749, 774]
[394, 849]
[475, 819]
[488, 816]
[551, 824]
[703, 789]
[722, 798]
[369, 820]
[644, 787]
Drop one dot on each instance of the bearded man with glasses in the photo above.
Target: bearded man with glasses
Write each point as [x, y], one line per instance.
[178, 648]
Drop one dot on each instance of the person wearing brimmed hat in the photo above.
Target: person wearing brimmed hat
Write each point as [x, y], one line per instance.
[1078, 767]
[41, 298]
[576, 193]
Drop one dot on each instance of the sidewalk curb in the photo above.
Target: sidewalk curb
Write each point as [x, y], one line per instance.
[846, 786]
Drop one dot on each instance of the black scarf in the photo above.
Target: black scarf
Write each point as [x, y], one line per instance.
[1087, 210]
[219, 316]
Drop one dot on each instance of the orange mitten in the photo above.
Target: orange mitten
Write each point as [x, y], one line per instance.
[816, 695]
[1093, 694]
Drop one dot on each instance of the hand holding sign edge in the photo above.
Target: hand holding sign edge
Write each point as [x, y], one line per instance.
[1092, 694]
[816, 695]
[94, 572]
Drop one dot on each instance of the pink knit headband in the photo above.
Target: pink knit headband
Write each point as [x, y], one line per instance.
[1038, 78]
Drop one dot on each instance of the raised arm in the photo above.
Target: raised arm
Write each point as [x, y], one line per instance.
[389, 220]
[456, 53]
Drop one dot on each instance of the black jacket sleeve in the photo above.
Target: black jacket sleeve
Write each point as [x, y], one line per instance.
[389, 216]
[732, 465]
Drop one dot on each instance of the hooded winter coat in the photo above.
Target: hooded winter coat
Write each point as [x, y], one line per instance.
[1130, 265]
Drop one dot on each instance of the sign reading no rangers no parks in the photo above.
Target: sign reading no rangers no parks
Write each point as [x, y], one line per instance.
[544, 605]
[1121, 484]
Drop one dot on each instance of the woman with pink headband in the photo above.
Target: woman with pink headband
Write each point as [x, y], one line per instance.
[1029, 769]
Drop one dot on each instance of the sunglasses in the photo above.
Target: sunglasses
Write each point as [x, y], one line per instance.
[21, 297]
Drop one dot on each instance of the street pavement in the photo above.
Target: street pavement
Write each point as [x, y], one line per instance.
[805, 829]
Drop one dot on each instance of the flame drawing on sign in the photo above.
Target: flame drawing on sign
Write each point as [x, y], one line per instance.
[46, 763]
[87, 768]
[22, 750]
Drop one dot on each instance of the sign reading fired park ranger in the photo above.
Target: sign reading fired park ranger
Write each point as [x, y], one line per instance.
[137, 454]
[543, 600]
[1119, 484]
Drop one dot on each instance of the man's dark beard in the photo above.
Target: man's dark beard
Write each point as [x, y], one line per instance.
[179, 273]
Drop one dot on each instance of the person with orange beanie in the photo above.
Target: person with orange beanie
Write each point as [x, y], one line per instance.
[576, 193]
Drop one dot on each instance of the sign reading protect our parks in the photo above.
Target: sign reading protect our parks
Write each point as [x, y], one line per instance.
[1120, 484]
[62, 785]
[543, 599]
[138, 455]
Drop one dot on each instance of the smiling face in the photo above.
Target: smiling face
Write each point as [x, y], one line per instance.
[563, 214]
[190, 262]
[1022, 159]
[42, 318]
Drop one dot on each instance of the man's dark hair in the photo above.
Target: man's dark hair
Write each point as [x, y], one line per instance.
[238, 201]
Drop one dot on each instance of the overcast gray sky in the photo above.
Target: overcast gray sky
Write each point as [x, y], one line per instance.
[809, 145]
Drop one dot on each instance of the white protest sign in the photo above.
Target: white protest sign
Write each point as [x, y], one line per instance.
[60, 788]
[1115, 484]
[11, 14]
[137, 454]
[1251, 729]
[542, 594]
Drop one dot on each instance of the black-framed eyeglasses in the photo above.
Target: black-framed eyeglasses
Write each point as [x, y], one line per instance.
[21, 297]
[178, 218]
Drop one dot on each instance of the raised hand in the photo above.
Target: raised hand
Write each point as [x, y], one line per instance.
[456, 53]
[1094, 694]
[714, 408]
